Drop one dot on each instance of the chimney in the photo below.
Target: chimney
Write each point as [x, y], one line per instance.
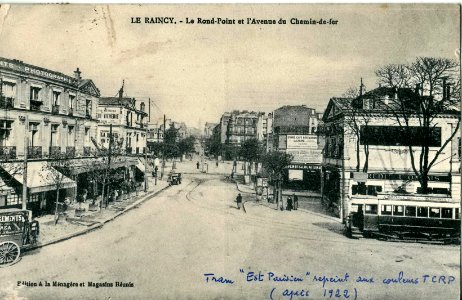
[77, 74]
[361, 88]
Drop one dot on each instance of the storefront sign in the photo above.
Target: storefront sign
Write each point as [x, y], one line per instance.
[312, 156]
[412, 177]
[302, 142]
[12, 222]
[38, 72]
[304, 167]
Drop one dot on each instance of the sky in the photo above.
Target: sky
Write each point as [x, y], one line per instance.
[196, 72]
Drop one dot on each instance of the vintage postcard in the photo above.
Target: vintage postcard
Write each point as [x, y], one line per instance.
[230, 151]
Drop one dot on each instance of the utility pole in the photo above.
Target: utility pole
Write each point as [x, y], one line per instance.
[163, 152]
[24, 174]
[146, 150]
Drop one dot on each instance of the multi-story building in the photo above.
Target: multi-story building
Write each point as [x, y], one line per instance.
[208, 129]
[239, 126]
[128, 119]
[294, 132]
[44, 114]
[367, 151]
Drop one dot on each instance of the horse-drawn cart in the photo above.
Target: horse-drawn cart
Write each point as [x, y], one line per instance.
[16, 231]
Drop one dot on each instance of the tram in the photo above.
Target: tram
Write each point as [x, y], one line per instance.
[404, 217]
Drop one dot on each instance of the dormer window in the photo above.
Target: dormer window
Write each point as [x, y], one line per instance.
[142, 107]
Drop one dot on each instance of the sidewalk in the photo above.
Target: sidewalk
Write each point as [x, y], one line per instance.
[71, 226]
[308, 202]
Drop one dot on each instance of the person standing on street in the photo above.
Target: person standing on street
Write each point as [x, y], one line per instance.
[295, 197]
[289, 204]
[197, 165]
[239, 201]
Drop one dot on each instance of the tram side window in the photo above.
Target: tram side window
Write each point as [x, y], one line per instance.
[398, 210]
[386, 210]
[410, 211]
[371, 209]
[435, 212]
[446, 213]
[422, 212]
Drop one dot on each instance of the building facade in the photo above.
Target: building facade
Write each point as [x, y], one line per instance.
[295, 133]
[44, 114]
[367, 152]
[128, 119]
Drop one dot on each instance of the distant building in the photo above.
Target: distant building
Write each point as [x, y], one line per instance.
[295, 132]
[208, 129]
[128, 118]
[382, 163]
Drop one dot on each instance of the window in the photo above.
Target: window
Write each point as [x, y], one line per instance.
[457, 216]
[443, 191]
[411, 211]
[386, 210]
[35, 93]
[422, 212]
[398, 210]
[71, 101]
[13, 199]
[362, 189]
[446, 213]
[9, 89]
[371, 209]
[435, 212]
[35, 197]
[56, 97]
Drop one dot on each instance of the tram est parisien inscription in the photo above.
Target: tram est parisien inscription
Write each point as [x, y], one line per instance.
[325, 286]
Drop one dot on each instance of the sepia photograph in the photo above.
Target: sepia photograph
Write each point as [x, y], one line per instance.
[230, 151]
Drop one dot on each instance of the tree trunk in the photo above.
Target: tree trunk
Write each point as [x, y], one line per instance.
[358, 157]
[56, 208]
[366, 158]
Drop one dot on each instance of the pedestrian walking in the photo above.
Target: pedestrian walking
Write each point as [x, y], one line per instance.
[289, 206]
[216, 164]
[197, 165]
[295, 201]
[239, 201]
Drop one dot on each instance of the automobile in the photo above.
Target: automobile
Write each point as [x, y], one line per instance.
[174, 178]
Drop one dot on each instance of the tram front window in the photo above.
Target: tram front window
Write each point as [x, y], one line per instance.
[371, 209]
[446, 213]
[410, 211]
[422, 212]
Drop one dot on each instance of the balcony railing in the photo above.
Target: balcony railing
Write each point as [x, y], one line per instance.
[7, 152]
[35, 104]
[55, 151]
[86, 151]
[70, 151]
[6, 102]
[55, 109]
[34, 152]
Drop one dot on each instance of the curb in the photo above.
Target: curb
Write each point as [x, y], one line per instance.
[97, 225]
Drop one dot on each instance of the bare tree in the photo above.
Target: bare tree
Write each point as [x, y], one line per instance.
[434, 78]
[398, 75]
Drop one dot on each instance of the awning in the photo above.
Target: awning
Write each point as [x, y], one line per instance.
[40, 176]
[140, 166]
